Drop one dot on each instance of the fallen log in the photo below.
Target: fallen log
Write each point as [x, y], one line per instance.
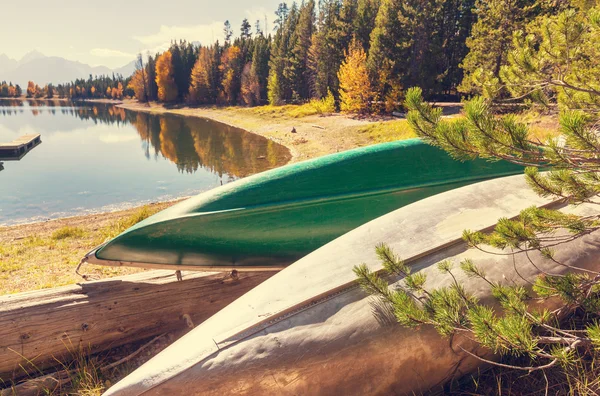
[38, 329]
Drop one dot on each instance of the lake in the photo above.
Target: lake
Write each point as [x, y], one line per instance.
[95, 158]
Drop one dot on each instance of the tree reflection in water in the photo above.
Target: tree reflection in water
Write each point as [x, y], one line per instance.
[188, 142]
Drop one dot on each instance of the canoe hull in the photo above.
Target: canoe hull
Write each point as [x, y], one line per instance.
[310, 330]
[279, 216]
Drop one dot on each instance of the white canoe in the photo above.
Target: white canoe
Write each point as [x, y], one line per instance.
[310, 330]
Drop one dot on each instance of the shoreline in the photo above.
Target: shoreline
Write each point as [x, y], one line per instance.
[309, 140]
[44, 254]
[315, 134]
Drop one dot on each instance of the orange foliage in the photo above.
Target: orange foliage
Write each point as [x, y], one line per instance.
[167, 90]
[230, 67]
[30, 89]
[138, 85]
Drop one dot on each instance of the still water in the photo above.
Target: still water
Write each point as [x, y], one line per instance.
[95, 158]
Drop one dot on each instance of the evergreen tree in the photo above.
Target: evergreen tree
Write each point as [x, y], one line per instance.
[544, 63]
[281, 14]
[491, 39]
[364, 23]
[279, 84]
[183, 58]
[245, 30]
[260, 65]
[387, 51]
[227, 32]
[299, 73]
[151, 77]
[326, 52]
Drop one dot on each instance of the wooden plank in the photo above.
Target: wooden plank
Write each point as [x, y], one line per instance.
[17, 149]
[42, 325]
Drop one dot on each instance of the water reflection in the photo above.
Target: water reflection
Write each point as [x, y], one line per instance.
[188, 142]
[97, 157]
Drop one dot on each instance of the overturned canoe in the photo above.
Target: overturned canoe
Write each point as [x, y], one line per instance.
[273, 218]
[310, 330]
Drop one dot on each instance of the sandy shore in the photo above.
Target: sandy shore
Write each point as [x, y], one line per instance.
[314, 136]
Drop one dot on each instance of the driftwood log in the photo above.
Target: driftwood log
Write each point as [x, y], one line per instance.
[41, 328]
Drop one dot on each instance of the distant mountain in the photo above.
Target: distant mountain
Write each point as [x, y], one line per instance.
[126, 70]
[42, 69]
[31, 56]
[7, 64]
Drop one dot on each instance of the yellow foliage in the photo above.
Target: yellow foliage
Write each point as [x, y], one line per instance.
[355, 87]
[138, 84]
[167, 90]
[200, 86]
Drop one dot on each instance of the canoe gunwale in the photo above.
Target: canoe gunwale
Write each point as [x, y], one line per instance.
[91, 258]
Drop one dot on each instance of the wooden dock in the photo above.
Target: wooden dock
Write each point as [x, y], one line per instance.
[17, 149]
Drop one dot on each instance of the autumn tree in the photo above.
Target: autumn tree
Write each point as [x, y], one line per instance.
[31, 89]
[167, 90]
[355, 87]
[204, 77]
[231, 70]
[250, 87]
[140, 80]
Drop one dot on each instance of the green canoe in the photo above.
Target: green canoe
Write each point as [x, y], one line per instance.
[271, 219]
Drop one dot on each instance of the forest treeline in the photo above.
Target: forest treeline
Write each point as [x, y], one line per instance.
[98, 87]
[365, 53]
[352, 55]
[9, 90]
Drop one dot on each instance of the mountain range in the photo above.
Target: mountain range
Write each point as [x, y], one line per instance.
[43, 69]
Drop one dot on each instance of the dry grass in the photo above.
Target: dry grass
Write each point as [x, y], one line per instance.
[387, 131]
[44, 255]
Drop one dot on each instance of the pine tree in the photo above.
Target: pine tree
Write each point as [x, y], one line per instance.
[260, 65]
[387, 53]
[167, 89]
[245, 30]
[547, 62]
[491, 39]
[355, 87]
[299, 73]
[151, 77]
[279, 83]
[364, 23]
[183, 58]
[227, 32]
[326, 51]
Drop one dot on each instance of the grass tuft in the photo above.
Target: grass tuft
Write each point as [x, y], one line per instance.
[67, 232]
[121, 225]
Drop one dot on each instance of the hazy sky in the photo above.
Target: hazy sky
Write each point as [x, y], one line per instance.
[111, 32]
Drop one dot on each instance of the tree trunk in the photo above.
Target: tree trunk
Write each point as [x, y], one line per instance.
[40, 328]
